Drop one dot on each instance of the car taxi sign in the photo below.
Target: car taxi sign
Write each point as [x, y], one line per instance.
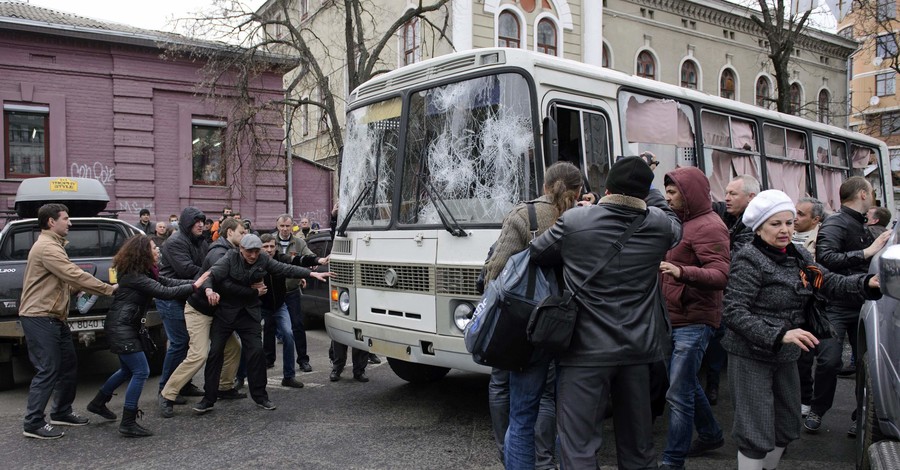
[63, 184]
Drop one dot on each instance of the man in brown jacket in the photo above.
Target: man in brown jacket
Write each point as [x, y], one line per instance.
[50, 278]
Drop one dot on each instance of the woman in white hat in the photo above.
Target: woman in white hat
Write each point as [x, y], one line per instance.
[769, 288]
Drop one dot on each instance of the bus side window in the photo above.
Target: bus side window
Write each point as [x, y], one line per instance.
[662, 126]
[729, 148]
[584, 141]
[787, 163]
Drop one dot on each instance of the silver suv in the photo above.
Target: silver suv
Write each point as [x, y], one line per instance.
[878, 373]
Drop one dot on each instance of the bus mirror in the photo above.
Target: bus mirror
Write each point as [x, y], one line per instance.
[551, 142]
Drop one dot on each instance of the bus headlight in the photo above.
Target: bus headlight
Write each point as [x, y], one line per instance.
[462, 315]
[344, 301]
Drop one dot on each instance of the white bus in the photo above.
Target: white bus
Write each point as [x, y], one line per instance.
[437, 153]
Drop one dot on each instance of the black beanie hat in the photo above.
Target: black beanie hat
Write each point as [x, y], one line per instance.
[630, 176]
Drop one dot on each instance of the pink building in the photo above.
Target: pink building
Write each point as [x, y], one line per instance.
[86, 98]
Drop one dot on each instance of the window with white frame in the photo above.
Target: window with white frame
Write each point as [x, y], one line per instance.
[795, 97]
[689, 74]
[304, 8]
[508, 30]
[763, 93]
[824, 106]
[887, 10]
[727, 84]
[208, 152]
[546, 37]
[27, 143]
[884, 84]
[646, 65]
[410, 39]
[886, 46]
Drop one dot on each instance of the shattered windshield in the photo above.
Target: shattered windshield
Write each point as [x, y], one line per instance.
[473, 141]
[367, 172]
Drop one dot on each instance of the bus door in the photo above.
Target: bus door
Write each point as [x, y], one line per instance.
[583, 139]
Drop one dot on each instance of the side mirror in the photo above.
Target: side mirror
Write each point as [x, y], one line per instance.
[889, 271]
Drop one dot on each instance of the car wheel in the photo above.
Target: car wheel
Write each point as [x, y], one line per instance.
[417, 373]
[867, 432]
[158, 335]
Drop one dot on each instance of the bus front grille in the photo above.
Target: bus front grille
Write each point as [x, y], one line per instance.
[456, 281]
[341, 247]
[342, 272]
[395, 277]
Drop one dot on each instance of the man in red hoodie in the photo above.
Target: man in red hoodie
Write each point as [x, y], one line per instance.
[694, 275]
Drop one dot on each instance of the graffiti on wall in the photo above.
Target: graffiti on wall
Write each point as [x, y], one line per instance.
[133, 207]
[97, 171]
[320, 216]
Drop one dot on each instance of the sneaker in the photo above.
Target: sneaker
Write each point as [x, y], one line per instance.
[813, 422]
[44, 432]
[266, 405]
[804, 410]
[70, 419]
[361, 377]
[166, 407]
[699, 447]
[191, 390]
[292, 383]
[203, 406]
[230, 394]
[180, 400]
[373, 359]
[305, 367]
[852, 431]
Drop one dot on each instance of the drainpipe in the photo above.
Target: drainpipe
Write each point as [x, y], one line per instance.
[288, 156]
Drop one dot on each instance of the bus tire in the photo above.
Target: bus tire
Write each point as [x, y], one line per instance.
[417, 373]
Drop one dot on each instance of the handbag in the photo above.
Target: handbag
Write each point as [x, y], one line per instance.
[816, 321]
[552, 323]
[147, 343]
[496, 335]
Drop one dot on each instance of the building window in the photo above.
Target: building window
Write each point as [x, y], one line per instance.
[726, 84]
[846, 33]
[824, 100]
[27, 149]
[304, 8]
[795, 99]
[411, 42]
[890, 124]
[763, 96]
[887, 10]
[886, 46]
[646, 66]
[884, 84]
[208, 153]
[546, 37]
[689, 74]
[606, 54]
[508, 32]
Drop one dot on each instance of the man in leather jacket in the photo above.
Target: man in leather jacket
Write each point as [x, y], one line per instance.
[622, 324]
[844, 246]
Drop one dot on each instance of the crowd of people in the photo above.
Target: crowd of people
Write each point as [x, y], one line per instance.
[697, 282]
[212, 299]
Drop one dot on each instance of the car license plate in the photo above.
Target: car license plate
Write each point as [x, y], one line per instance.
[385, 348]
[87, 325]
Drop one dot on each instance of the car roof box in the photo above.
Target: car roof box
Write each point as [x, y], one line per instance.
[85, 197]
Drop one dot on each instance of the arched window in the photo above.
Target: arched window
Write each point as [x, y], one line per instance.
[824, 114]
[689, 74]
[546, 37]
[411, 42]
[763, 96]
[795, 98]
[726, 84]
[605, 62]
[508, 30]
[646, 66]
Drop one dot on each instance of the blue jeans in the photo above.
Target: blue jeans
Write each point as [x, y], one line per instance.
[133, 367]
[688, 406]
[526, 390]
[282, 320]
[172, 314]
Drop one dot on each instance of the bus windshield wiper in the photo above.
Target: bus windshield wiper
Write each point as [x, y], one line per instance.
[359, 199]
[455, 229]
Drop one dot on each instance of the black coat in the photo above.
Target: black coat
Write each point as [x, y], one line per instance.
[274, 298]
[182, 253]
[839, 247]
[231, 277]
[216, 251]
[130, 305]
[622, 318]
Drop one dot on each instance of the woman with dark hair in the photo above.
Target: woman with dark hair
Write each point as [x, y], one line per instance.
[522, 401]
[139, 282]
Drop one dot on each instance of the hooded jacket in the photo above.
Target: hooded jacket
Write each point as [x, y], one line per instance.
[182, 253]
[621, 317]
[703, 255]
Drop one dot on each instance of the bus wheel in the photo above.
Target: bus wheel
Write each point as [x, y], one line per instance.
[417, 373]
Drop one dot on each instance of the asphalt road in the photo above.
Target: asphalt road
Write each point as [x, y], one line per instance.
[383, 424]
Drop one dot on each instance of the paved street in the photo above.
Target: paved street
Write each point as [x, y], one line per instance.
[385, 423]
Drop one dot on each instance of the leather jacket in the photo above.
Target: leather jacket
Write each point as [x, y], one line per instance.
[130, 304]
[839, 247]
[622, 318]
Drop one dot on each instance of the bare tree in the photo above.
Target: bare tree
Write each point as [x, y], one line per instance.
[781, 30]
[278, 36]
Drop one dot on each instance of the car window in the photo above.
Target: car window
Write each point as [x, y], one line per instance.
[320, 246]
[85, 242]
[18, 244]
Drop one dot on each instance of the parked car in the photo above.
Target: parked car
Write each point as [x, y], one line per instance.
[877, 374]
[316, 299]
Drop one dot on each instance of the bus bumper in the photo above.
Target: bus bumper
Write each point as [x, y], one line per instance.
[407, 345]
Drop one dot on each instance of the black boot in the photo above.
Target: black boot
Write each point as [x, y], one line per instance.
[130, 428]
[98, 406]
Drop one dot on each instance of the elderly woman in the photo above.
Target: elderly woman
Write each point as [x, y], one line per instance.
[769, 288]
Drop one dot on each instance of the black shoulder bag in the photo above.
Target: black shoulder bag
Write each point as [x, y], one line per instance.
[552, 322]
[816, 321]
